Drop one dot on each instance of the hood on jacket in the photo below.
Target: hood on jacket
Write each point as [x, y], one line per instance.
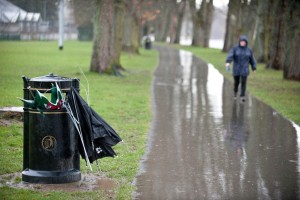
[243, 38]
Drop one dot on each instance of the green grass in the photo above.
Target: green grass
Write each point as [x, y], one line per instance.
[123, 102]
[22, 194]
[267, 85]
[11, 141]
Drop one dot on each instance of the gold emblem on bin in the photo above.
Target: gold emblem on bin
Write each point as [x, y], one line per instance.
[48, 143]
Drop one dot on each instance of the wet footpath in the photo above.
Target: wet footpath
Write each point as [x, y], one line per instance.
[203, 144]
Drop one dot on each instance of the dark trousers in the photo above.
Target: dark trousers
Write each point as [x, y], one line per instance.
[237, 80]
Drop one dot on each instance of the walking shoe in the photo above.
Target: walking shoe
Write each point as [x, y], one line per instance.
[235, 96]
[243, 99]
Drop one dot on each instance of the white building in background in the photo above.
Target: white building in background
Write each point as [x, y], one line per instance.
[15, 21]
[17, 24]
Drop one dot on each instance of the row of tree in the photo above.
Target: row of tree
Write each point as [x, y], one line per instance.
[274, 29]
[272, 26]
[115, 25]
[121, 24]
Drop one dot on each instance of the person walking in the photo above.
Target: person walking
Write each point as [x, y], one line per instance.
[242, 56]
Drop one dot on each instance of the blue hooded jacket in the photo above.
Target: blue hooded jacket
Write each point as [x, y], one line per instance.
[241, 57]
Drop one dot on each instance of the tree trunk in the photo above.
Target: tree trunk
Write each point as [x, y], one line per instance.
[118, 32]
[202, 21]
[131, 35]
[106, 50]
[277, 41]
[233, 24]
[249, 20]
[242, 19]
[196, 23]
[172, 31]
[164, 20]
[291, 69]
[208, 16]
[180, 11]
[261, 40]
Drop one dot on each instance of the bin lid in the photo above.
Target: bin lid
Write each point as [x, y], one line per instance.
[45, 82]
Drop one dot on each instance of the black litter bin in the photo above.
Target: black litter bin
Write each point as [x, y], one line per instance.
[50, 153]
[148, 43]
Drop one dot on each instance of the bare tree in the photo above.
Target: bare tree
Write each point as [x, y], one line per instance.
[278, 36]
[202, 21]
[173, 22]
[241, 20]
[131, 35]
[107, 37]
[180, 12]
[291, 68]
[164, 19]
[233, 24]
[262, 31]
[249, 19]
[277, 39]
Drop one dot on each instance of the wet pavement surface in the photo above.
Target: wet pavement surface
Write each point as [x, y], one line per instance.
[205, 145]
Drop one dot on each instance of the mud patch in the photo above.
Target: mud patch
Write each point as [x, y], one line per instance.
[9, 122]
[11, 115]
[89, 182]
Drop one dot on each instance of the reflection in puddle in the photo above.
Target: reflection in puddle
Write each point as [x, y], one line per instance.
[215, 91]
[262, 189]
[186, 80]
[186, 63]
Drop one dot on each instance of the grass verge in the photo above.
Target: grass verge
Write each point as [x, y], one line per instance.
[123, 102]
[267, 85]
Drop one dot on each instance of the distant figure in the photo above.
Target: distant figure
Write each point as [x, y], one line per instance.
[148, 42]
[242, 56]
